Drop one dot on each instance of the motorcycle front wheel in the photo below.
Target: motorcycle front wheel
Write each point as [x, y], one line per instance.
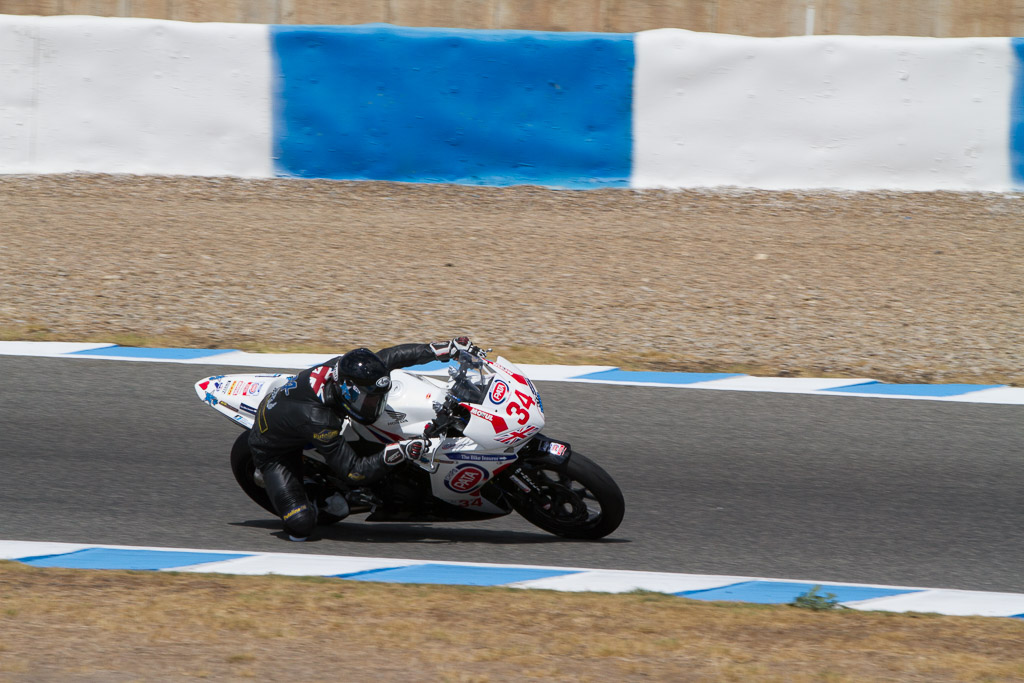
[575, 500]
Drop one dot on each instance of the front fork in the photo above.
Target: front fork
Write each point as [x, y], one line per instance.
[525, 476]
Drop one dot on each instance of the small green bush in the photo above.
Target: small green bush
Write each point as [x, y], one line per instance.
[812, 599]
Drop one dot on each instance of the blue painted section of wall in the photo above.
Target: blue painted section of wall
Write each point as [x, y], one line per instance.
[453, 574]
[785, 592]
[1017, 116]
[381, 102]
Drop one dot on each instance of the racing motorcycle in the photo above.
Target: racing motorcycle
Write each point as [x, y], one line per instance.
[487, 455]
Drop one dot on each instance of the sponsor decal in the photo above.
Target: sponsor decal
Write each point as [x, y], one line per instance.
[465, 478]
[204, 385]
[499, 392]
[252, 388]
[294, 512]
[481, 457]
[540, 403]
[396, 417]
[326, 434]
[228, 406]
[556, 448]
[248, 408]
[292, 384]
[497, 422]
[211, 399]
[517, 434]
[317, 378]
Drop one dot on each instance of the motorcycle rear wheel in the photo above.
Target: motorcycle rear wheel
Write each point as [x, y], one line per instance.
[582, 500]
[244, 469]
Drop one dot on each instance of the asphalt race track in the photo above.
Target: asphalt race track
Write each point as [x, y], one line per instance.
[914, 493]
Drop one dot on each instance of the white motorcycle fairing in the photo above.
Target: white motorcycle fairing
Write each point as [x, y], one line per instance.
[507, 414]
[237, 397]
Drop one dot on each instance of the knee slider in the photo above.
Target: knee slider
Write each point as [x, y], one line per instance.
[300, 520]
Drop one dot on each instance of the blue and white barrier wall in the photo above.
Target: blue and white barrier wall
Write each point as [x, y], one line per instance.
[665, 108]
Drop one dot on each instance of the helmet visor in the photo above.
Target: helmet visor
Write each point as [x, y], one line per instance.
[366, 403]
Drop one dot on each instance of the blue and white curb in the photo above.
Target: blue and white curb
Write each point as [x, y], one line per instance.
[594, 374]
[866, 597]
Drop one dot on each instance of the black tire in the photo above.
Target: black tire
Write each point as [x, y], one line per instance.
[243, 468]
[585, 501]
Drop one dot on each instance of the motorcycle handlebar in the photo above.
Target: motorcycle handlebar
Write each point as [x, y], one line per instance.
[445, 417]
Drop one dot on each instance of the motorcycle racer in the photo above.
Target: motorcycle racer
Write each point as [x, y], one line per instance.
[314, 407]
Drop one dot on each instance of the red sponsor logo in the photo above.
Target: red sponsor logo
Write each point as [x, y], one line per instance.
[497, 422]
[499, 391]
[203, 385]
[465, 478]
[556, 448]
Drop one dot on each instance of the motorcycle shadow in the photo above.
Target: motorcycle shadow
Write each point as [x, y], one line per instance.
[398, 532]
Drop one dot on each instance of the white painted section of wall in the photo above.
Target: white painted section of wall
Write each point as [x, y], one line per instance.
[847, 112]
[134, 96]
[17, 90]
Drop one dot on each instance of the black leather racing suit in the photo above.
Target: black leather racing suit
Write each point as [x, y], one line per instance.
[292, 417]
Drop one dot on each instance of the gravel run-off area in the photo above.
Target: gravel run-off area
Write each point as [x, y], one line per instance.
[904, 287]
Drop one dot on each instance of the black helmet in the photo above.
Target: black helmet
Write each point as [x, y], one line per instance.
[363, 385]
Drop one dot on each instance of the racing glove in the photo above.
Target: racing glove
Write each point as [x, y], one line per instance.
[446, 350]
[411, 449]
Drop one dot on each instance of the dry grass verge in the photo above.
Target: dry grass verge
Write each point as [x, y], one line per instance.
[75, 625]
[911, 287]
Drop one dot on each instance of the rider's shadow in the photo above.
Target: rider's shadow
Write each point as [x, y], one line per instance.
[420, 533]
